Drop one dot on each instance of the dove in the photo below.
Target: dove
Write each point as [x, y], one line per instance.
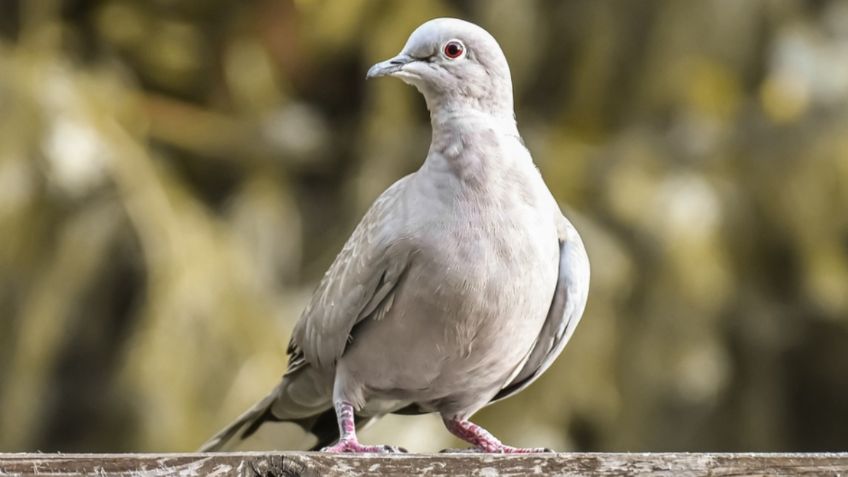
[459, 287]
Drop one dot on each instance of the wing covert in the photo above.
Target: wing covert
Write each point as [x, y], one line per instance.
[361, 278]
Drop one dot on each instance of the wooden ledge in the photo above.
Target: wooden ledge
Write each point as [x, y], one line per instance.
[317, 464]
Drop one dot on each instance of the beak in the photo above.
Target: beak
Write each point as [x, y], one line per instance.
[389, 67]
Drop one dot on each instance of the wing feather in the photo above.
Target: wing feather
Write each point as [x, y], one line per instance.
[359, 283]
[566, 309]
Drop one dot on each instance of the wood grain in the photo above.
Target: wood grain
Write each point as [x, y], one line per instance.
[317, 464]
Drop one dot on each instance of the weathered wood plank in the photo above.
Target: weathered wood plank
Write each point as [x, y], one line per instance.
[317, 464]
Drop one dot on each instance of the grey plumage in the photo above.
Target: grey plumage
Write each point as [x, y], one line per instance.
[461, 284]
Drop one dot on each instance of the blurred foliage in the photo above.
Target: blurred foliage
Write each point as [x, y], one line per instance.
[176, 175]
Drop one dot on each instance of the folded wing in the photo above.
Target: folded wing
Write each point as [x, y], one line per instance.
[566, 308]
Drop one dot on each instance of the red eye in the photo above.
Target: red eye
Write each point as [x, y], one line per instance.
[454, 49]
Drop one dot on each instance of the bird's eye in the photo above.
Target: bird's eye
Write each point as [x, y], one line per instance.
[454, 49]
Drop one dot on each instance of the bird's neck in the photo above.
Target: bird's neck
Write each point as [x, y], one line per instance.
[451, 122]
[475, 147]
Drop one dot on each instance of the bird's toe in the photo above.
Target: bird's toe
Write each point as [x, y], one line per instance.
[351, 446]
[387, 449]
[519, 450]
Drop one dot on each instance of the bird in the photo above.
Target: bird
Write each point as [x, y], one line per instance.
[459, 287]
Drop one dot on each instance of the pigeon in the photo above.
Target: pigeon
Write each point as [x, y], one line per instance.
[459, 287]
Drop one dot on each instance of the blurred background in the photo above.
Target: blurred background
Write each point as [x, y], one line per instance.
[175, 176]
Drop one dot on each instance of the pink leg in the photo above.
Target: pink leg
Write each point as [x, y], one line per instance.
[347, 434]
[483, 440]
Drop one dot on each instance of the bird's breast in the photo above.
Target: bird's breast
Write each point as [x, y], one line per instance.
[471, 303]
[486, 281]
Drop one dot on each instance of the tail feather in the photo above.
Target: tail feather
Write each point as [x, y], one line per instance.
[247, 424]
[317, 418]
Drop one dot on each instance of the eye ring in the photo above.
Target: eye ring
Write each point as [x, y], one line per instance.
[453, 49]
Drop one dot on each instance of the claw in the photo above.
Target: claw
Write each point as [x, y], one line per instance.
[396, 449]
[353, 446]
[519, 450]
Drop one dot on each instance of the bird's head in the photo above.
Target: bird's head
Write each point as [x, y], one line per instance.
[456, 65]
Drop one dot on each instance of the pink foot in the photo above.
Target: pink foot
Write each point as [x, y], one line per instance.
[499, 450]
[502, 449]
[350, 445]
[483, 441]
[347, 432]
